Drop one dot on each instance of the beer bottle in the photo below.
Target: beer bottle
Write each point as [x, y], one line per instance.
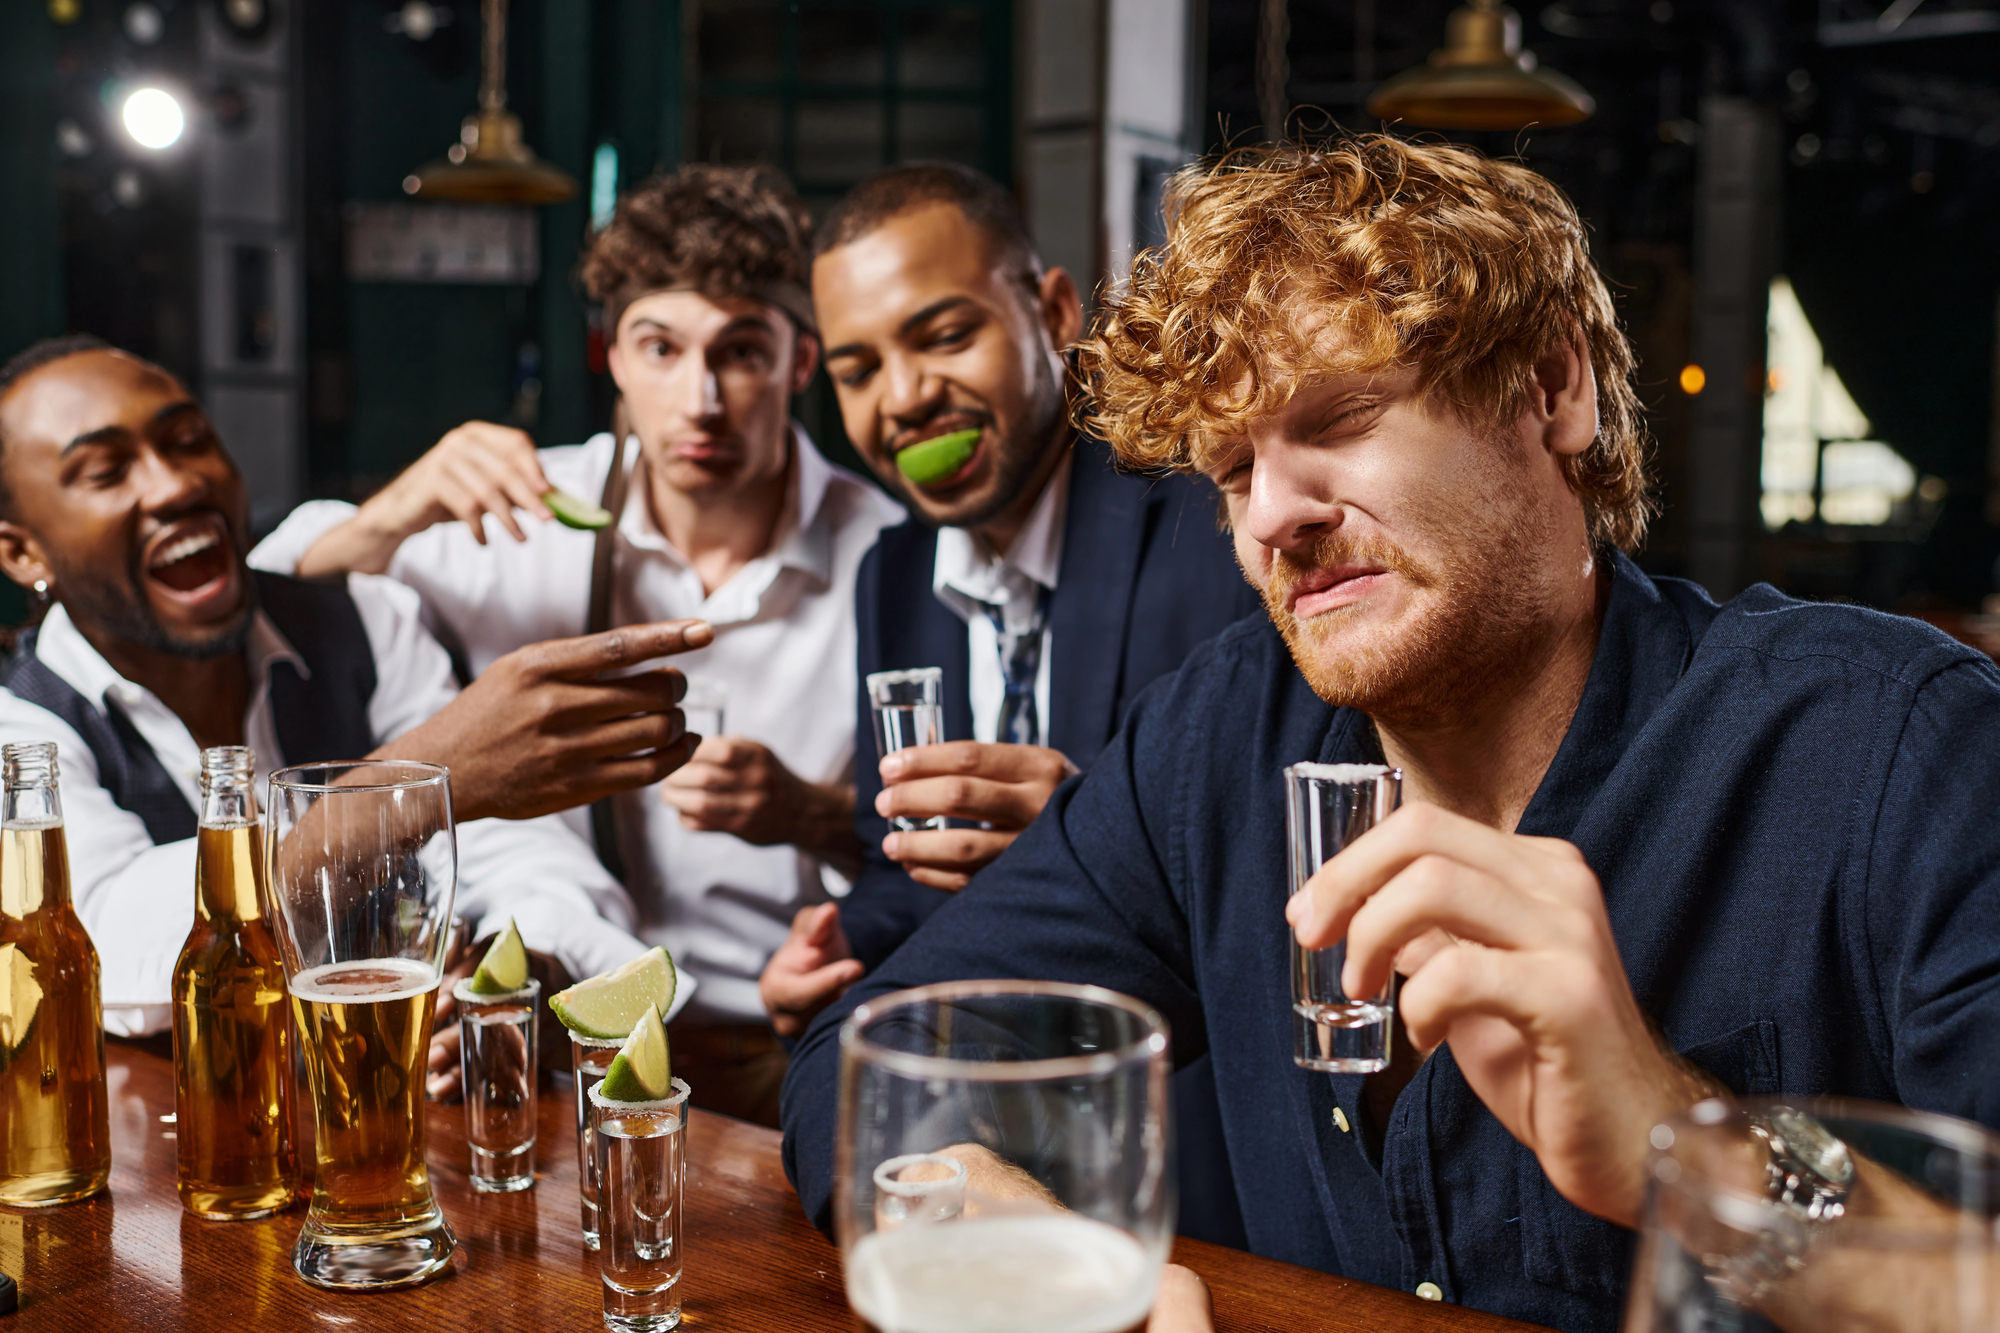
[55, 1121]
[232, 1023]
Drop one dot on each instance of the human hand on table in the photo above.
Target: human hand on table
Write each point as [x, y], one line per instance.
[735, 785]
[444, 1078]
[475, 470]
[1001, 786]
[810, 970]
[1508, 956]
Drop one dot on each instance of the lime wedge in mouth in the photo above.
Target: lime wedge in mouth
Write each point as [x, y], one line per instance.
[574, 513]
[505, 966]
[605, 1007]
[642, 1070]
[936, 459]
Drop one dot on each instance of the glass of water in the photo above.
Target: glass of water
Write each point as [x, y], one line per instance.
[1002, 1159]
[702, 706]
[909, 711]
[496, 1053]
[642, 1179]
[1327, 806]
[590, 1059]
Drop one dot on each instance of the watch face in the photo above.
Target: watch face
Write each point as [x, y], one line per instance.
[1807, 1142]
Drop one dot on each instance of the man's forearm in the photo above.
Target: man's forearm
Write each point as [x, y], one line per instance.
[827, 827]
[364, 544]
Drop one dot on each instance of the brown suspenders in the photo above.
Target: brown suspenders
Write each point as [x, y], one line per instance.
[603, 821]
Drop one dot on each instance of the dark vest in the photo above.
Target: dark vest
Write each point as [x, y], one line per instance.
[321, 718]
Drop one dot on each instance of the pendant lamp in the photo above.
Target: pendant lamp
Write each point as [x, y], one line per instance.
[490, 164]
[1481, 80]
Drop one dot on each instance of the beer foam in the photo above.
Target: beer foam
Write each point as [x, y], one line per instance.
[1052, 1272]
[364, 981]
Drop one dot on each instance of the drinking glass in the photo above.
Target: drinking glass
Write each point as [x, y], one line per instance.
[590, 1061]
[1004, 1159]
[642, 1182]
[363, 867]
[908, 707]
[496, 1054]
[702, 706]
[1904, 1240]
[1327, 806]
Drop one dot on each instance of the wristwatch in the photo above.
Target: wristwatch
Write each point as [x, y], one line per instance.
[1808, 1174]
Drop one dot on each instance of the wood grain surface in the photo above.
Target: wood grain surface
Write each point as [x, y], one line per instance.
[133, 1259]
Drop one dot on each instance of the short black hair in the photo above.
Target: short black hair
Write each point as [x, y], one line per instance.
[902, 189]
[24, 363]
[40, 354]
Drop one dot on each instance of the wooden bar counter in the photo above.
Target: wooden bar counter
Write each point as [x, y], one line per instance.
[133, 1259]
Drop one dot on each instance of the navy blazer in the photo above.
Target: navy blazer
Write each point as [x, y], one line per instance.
[1147, 573]
[1790, 808]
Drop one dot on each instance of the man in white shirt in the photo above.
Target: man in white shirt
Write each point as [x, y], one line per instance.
[731, 516]
[122, 510]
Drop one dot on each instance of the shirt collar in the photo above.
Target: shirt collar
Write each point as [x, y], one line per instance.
[62, 649]
[965, 567]
[805, 537]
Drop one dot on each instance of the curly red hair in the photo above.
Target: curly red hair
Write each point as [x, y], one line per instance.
[1428, 255]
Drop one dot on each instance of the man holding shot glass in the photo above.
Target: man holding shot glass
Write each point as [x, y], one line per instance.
[1650, 848]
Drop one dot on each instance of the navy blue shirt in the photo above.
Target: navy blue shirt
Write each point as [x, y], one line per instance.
[1794, 810]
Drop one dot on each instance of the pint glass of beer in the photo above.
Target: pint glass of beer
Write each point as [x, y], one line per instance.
[1003, 1159]
[363, 866]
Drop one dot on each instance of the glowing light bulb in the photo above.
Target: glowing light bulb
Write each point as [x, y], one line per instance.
[153, 118]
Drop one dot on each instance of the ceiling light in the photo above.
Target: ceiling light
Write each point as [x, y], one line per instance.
[1481, 80]
[494, 167]
[153, 118]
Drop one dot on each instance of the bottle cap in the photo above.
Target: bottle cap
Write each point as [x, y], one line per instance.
[10, 1294]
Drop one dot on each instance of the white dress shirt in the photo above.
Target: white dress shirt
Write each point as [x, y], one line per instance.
[968, 576]
[784, 648]
[137, 899]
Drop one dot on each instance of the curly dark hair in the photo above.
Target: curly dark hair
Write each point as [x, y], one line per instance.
[720, 231]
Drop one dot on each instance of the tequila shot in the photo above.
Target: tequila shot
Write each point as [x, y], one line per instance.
[908, 707]
[703, 704]
[590, 1059]
[1327, 806]
[496, 1053]
[642, 1177]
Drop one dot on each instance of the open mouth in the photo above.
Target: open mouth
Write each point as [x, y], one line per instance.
[941, 455]
[193, 560]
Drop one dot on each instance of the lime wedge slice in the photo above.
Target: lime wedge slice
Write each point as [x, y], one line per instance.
[605, 1008]
[641, 1071]
[505, 966]
[574, 513]
[934, 460]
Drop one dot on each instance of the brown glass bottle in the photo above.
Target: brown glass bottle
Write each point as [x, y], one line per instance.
[55, 1123]
[232, 1023]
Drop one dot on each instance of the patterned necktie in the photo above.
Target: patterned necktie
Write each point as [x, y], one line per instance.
[1020, 664]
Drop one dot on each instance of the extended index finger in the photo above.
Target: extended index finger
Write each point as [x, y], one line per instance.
[625, 646]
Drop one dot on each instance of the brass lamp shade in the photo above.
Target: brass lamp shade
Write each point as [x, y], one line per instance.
[1481, 80]
[490, 164]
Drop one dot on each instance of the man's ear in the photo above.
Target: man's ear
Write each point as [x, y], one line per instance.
[21, 556]
[616, 364]
[1061, 308]
[805, 360]
[1562, 397]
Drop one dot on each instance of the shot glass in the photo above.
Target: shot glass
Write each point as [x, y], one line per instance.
[642, 1178]
[909, 710]
[1327, 806]
[702, 706]
[591, 1060]
[496, 1053]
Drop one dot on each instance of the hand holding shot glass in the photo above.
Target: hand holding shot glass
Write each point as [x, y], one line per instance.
[1327, 806]
[908, 708]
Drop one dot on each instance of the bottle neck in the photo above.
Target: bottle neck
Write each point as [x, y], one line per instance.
[227, 852]
[31, 797]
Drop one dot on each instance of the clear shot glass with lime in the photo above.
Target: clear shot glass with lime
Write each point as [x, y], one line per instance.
[639, 1115]
[496, 1053]
[600, 1014]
